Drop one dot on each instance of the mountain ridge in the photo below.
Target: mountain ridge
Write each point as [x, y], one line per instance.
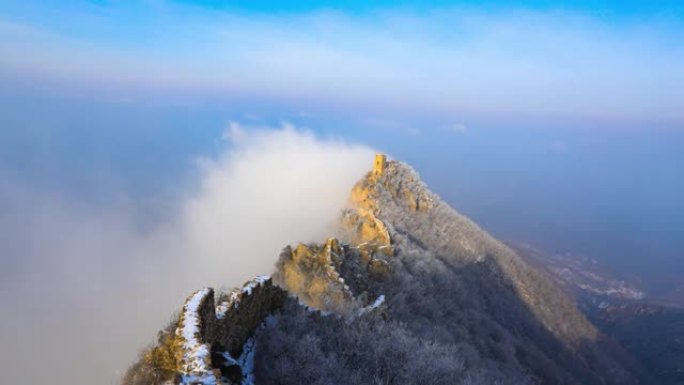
[406, 267]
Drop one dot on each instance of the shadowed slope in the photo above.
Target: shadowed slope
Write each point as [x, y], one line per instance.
[462, 308]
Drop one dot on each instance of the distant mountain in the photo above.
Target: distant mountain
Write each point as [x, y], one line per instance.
[652, 333]
[582, 277]
[408, 291]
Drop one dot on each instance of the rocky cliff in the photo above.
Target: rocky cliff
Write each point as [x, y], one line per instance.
[409, 291]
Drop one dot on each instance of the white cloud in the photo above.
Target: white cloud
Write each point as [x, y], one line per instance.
[235, 133]
[458, 128]
[447, 62]
[274, 188]
[79, 280]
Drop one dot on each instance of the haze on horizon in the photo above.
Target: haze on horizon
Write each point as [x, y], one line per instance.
[556, 124]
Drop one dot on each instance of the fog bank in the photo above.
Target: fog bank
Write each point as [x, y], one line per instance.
[83, 288]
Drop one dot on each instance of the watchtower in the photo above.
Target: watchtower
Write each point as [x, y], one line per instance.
[380, 164]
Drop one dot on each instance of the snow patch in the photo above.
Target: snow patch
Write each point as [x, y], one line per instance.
[245, 361]
[309, 309]
[221, 310]
[236, 295]
[253, 284]
[206, 379]
[378, 302]
[196, 355]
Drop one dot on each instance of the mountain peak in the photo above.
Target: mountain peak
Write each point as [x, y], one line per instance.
[391, 184]
[406, 268]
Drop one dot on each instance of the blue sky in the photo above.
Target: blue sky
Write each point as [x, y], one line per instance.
[566, 116]
[617, 63]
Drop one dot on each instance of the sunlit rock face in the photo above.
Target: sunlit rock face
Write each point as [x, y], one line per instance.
[409, 292]
[363, 227]
[394, 181]
[333, 277]
[311, 273]
[317, 274]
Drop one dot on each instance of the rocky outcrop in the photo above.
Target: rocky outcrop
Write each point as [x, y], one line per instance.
[391, 180]
[311, 273]
[363, 228]
[331, 277]
[360, 225]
